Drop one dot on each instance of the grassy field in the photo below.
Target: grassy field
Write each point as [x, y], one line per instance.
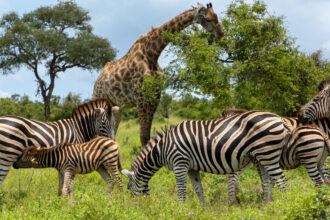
[32, 194]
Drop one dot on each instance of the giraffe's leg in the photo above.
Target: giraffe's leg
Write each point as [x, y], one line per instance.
[107, 178]
[116, 117]
[197, 184]
[180, 172]
[60, 182]
[146, 107]
[145, 116]
[233, 188]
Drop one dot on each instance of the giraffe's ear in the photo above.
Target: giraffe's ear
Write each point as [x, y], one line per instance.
[99, 111]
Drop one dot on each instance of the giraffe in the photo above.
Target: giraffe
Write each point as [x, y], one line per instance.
[121, 80]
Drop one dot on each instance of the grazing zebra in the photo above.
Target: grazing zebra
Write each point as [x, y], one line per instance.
[100, 154]
[18, 133]
[216, 146]
[307, 145]
[319, 106]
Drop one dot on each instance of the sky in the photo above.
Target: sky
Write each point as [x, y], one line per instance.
[122, 22]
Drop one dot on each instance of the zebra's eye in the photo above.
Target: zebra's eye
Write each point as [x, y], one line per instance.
[316, 99]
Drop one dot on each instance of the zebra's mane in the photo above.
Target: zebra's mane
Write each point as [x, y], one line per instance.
[34, 150]
[323, 84]
[230, 112]
[93, 103]
[149, 146]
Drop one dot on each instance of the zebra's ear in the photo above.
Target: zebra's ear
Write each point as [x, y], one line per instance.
[115, 109]
[127, 173]
[99, 111]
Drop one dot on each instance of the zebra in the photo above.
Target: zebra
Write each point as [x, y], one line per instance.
[100, 154]
[308, 145]
[318, 107]
[218, 146]
[18, 133]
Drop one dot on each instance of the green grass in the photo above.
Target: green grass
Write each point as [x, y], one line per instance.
[32, 194]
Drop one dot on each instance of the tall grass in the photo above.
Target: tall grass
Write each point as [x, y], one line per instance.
[32, 194]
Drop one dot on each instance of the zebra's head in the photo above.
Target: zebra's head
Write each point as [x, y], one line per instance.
[105, 124]
[137, 187]
[319, 106]
[30, 157]
[146, 164]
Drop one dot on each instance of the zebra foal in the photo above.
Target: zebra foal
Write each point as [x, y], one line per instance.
[216, 146]
[100, 154]
[18, 133]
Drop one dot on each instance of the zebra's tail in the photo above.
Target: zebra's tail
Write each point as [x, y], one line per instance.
[119, 162]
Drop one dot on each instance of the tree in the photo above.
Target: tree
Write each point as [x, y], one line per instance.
[255, 66]
[57, 37]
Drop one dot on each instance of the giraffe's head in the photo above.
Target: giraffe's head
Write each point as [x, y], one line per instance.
[208, 19]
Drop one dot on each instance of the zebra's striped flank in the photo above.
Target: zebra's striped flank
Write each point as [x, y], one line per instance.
[216, 146]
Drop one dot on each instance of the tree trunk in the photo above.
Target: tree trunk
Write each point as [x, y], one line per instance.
[47, 108]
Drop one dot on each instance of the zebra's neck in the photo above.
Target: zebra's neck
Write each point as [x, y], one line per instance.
[149, 160]
[323, 124]
[50, 157]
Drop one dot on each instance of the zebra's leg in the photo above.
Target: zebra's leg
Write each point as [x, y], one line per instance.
[60, 182]
[68, 184]
[197, 184]
[113, 170]
[314, 173]
[6, 161]
[266, 183]
[326, 173]
[180, 173]
[233, 188]
[106, 176]
[4, 170]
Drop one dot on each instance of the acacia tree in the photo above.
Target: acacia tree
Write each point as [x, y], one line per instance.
[256, 65]
[58, 38]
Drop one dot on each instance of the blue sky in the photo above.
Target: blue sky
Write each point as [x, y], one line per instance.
[122, 22]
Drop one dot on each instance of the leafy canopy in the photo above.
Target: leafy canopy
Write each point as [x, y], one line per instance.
[255, 66]
[57, 38]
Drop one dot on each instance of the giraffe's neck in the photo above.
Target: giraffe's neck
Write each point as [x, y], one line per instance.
[152, 43]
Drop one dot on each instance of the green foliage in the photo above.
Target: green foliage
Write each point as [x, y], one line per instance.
[23, 106]
[63, 109]
[151, 87]
[255, 66]
[57, 37]
[194, 108]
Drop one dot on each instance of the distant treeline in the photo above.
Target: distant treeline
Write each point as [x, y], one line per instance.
[187, 107]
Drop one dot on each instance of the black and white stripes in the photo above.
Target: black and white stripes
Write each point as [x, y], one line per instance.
[319, 106]
[216, 146]
[100, 154]
[17, 133]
